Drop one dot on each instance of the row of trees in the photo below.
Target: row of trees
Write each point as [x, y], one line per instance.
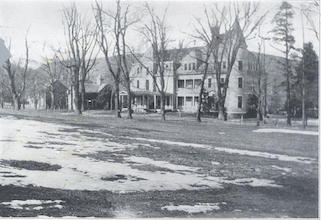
[223, 34]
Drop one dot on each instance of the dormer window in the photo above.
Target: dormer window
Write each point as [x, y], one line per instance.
[185, 66]
[137, 85]
[189, 66]
[194, 66]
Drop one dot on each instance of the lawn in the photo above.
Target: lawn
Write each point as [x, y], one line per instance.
[60, 164]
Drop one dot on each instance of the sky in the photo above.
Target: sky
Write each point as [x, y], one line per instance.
[43, 22]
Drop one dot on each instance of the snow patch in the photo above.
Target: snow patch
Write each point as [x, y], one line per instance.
[191, 209]
[33, 204]
[288, 170]
[287, 131]
[281, 157]
[162, 164]
[183, 144]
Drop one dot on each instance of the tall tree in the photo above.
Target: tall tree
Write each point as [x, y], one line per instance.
[307, 78]
[53, 69]
[80, 52]
[17, 78]
[211, 42]
[256, 71]
[72, 23]
[109, 41]
[282, 31]
[155, 32]
[238, 22]
[88, 55]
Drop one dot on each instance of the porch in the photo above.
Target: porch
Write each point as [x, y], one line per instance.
[146, 100]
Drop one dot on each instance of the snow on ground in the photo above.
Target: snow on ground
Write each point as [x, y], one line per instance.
[287, 131]
[183, 144]
[33, 204]
[197, 208]
[67, 146]
[281, 157]
[162, 164]
[285, 169]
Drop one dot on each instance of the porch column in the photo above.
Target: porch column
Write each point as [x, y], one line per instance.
[155, 102]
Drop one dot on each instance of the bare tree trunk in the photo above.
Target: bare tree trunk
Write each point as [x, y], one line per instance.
[76, 93]
[163, 112]
[16, 102]
[129, 101]
[52, 99]
[199, 107]
[117, 101]
[36, 103]
[200, 96]
[288, 93]
[221, 111]
[82, 93]
[71, 98]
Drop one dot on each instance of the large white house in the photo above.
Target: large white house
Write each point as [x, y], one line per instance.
[182, 79]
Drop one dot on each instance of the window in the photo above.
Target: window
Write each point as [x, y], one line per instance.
[185, 66]
[222, 80]
[167, 100]
[189, 83]
[239, 101]
[147, 70]
[189, 98]
[197, 83]
[137, 85]
[224, 64]
[147, 84]
[195, 100]
[137, 69]
[240, 65]
[194, 66]
[209, 81]
[189, 66]
[240, 82]
[180, 83]
[189, 101]
[180, 101]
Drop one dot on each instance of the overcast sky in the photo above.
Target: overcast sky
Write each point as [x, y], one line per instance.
[44, 20]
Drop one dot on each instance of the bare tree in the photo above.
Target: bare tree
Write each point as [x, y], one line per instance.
[72, 23]
[104, 41]
[125, 23]
[155, 32]
[212, 43]
[238, 21]
[257, 74]
[17, 78]
[53, 69]
[88, 56]
[309, 11]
